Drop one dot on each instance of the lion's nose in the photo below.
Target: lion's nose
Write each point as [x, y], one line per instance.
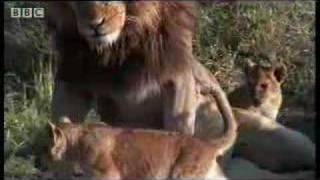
[97, 23]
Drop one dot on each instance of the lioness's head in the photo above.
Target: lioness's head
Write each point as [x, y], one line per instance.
[99, 22]
[264, 82]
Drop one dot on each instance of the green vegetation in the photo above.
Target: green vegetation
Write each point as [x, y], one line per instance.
[229, 34]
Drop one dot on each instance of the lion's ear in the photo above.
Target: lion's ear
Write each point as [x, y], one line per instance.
[280, 72]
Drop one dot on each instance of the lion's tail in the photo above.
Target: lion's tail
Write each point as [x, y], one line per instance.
[210, 86]
[227, 139]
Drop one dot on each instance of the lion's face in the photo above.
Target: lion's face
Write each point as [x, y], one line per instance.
[265, 82]
[99, 22]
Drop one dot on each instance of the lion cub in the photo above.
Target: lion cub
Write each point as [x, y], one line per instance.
[103, 152]
[262, 91]
[262, 139]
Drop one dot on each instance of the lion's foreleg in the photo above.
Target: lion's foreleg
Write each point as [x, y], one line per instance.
[180, 104]
[69, 102]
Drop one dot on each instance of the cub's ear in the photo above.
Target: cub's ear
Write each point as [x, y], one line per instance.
[59, 142]
[52, 126]
[250, 65]
[65, 120]
[280, 72]
[55, 132]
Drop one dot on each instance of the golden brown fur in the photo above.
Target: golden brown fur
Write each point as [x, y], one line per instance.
[262, 91]
[101, 151]
[135, 58]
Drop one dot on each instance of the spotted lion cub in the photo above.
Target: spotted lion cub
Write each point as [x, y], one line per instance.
[262, 91]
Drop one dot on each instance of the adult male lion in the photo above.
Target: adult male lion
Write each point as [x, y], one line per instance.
[135, 58]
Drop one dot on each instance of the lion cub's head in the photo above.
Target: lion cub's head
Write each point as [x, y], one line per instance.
[264, 82]
[60, 150]
[60, 153]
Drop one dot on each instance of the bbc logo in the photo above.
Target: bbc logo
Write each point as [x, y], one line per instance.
[27, 12]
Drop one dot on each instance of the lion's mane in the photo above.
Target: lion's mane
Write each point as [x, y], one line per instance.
[156, 41]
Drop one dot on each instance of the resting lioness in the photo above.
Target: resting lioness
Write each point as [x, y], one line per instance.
[104, 152]
[262, 91]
